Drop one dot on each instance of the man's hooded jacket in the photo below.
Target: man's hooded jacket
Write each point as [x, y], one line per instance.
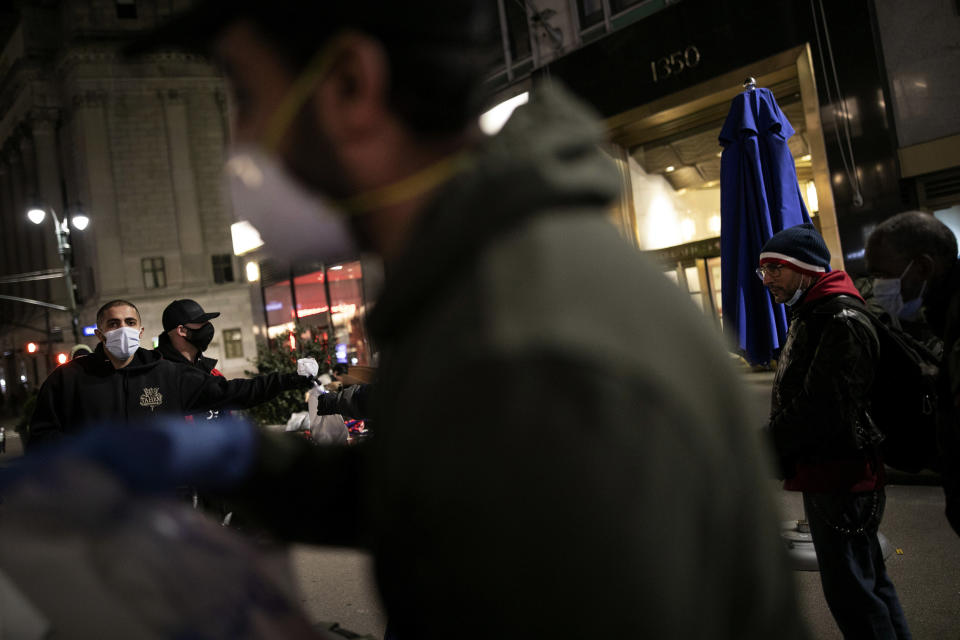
[562, 449]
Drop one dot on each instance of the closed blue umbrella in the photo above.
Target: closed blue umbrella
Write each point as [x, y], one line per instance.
[759, 196]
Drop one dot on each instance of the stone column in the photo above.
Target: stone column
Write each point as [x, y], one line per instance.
[11, 241]
[30, 237]
[96, 189]
[195, 265]
[28, 196]
[49, 190]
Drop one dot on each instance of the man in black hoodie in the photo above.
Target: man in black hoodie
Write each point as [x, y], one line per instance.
[187, 332]
[120, 382]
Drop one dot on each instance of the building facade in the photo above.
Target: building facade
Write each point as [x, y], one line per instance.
[868, 85]
[138, 147]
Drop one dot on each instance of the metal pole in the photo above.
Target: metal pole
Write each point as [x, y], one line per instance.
[326, 292]
[66, 255]
[296, 312]
[49, 349]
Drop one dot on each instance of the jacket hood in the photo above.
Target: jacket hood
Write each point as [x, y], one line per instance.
[166, 349]
[832, 284]
[548, 156]
[98, 361]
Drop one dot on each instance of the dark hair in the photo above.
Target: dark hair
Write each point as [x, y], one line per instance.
[439, 51]
[115, 303]
[912, 233]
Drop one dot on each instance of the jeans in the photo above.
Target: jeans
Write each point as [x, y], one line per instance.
[861, 597]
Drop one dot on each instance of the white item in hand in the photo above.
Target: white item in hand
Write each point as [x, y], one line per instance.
[307, 367]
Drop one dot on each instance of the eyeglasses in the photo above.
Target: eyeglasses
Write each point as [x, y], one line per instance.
[771, 268]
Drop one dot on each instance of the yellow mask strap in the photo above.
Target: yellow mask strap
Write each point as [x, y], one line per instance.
[298, 94]
[408, 188]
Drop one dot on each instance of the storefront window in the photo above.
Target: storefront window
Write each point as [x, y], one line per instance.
[338, 321]
[676, 182]
[674, 179]
[278, 305]
[311, 298]
[346, 313]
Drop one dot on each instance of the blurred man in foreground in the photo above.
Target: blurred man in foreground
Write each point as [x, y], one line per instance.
[612, 489]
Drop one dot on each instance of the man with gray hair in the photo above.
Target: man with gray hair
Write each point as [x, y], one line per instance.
[913, 258]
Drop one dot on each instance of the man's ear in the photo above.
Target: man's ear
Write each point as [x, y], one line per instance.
[352, 100]
[99, 334]
[925, 265]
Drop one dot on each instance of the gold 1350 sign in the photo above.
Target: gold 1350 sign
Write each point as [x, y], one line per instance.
[675, 63]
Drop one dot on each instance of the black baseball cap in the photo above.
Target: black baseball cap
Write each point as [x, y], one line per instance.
[185, 311]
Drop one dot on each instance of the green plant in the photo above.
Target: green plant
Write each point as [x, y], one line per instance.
[26, 412]
[281, 359]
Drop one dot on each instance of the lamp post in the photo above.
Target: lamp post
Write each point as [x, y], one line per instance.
[37, 215]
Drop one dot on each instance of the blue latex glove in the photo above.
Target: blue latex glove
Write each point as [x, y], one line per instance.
[157, 456]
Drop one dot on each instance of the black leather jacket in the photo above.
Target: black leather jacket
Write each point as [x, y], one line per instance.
[820, 407]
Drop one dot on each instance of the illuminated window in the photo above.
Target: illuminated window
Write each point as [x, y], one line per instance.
[232, 343]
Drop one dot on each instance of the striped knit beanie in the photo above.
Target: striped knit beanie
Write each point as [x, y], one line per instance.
[801, 248]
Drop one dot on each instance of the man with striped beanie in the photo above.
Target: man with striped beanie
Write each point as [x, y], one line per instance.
[822, 432]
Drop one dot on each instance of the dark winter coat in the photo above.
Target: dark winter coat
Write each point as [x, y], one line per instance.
[944, 307]
[562, 449]
[208, 365]
[820, 412]
[89, 390]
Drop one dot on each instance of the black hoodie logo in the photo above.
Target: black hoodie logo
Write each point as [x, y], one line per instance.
[151, 397]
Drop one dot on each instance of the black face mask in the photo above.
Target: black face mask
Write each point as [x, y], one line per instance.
[200, 338]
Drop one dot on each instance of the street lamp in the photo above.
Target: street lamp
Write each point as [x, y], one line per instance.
[37, 215]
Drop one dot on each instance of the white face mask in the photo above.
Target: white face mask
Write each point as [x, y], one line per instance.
[887, 294]
[122, 343]
[291, 222]
[796, 294]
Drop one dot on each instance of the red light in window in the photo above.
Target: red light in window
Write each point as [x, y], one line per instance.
[293, 342]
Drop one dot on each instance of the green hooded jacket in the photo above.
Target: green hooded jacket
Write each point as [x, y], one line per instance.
[561, 447]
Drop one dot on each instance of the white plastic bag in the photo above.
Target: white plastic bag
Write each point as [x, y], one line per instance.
[329, 429]
[298, 421]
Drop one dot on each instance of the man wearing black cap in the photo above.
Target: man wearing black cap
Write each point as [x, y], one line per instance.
[822, 431]
[187, 333]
